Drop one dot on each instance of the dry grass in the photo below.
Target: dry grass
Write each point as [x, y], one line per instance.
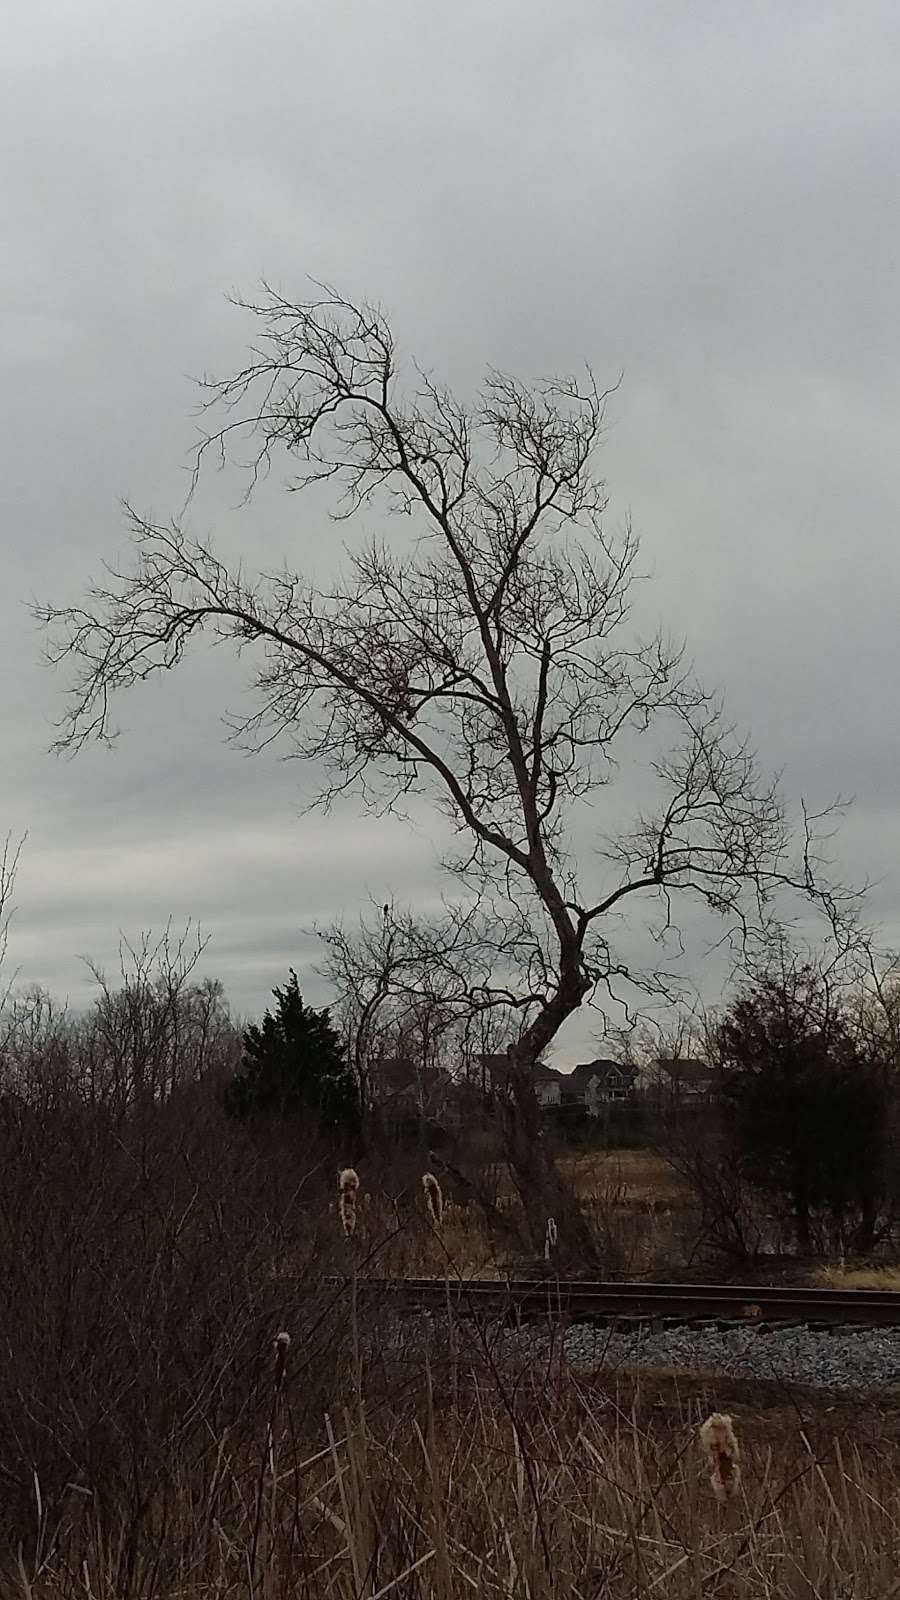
[411, 1246]
[159, 1440]
[640, 1176]
[636, 1206]
[446, 1477]
[837, 1277]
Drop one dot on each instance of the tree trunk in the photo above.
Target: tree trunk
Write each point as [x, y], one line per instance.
[864, 1236]
[542, 1188]
[801, 1219]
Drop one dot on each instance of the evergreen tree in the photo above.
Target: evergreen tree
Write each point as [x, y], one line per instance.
[294, 1065]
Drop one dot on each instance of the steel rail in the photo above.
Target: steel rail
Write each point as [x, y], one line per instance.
[577, 1300]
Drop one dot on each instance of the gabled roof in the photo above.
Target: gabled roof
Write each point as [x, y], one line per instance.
[401, 1075]
[602, 1069]
[396, 1072]
[544, 1074]
[496, 1064]
[685, 1070]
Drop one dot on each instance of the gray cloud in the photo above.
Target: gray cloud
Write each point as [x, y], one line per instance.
[704, 197]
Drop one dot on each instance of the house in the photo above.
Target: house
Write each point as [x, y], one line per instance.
[404, 1089]
[549, 1086]
[588, 1087]
[684, 1079]
[492, 1072]
[595, 1084]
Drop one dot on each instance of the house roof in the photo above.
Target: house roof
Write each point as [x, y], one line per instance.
[395, 1072]
[602, 1068]
[497, 1064]
[400, 1075]
[684, 1070]
[544, 1074]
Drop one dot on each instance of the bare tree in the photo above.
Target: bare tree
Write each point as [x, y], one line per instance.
[157, 1030]
[431, 984]
[486, 664]
[36, 1048]
[10, 854]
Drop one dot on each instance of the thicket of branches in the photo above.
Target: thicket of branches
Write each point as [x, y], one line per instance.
[799, 1146]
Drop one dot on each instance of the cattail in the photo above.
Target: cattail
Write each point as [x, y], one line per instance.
[348, 1189]
[550, 1238]
[718, 1440]
[282, 1344]
[434, 1199]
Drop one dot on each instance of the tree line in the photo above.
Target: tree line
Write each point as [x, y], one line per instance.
[797, 1145]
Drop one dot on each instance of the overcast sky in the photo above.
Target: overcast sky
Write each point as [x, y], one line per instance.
[703, 196]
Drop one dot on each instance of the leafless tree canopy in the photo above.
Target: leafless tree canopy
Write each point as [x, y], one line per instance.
[487, 662]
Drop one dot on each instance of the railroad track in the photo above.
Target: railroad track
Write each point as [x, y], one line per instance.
[534, 1300]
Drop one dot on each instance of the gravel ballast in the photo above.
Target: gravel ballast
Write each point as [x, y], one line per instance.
[843, 1358]
[818, 1357]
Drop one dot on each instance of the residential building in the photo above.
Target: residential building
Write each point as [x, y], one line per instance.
[684, 1079]
[595, 1084]
[492, 1071]
[404, 1089]
[549, 1086]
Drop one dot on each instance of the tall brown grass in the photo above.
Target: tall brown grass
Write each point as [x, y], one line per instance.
[195, 1403]
[512, 1487]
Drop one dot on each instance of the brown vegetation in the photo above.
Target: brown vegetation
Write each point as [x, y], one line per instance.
[639, 1176]
[195, 1401]
[193, 1405]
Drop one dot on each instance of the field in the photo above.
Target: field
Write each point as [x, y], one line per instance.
[634, 1177]
[629, 1195]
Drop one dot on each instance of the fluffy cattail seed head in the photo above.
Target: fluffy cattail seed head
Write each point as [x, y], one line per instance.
[348, 1188]
[281, 1344]
[434, 1199]
[717, 1438]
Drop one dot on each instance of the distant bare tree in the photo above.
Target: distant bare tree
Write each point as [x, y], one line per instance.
[156, 1030]
[485, 664]
[376, 985]
[429, 988]
[36, 1048]
[10, 854]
